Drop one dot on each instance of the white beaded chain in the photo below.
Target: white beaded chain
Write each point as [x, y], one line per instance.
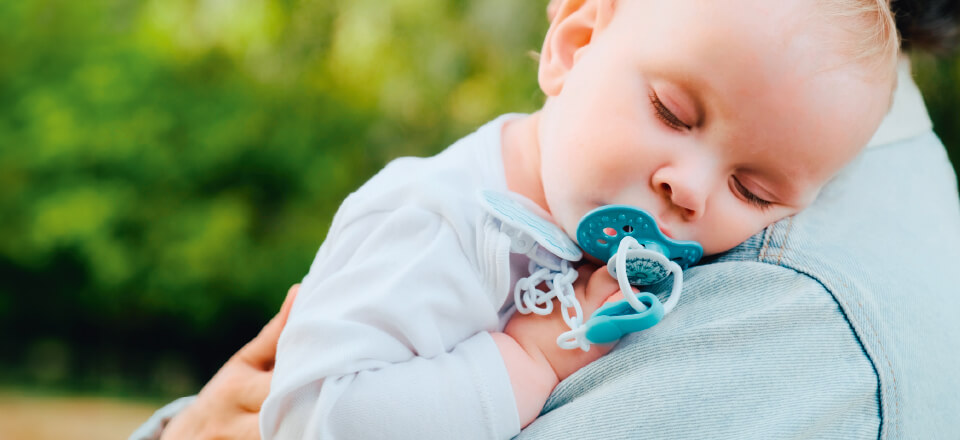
[530, 299]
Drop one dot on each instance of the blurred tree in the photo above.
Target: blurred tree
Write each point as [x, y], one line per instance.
[939, 80]
[169, 167]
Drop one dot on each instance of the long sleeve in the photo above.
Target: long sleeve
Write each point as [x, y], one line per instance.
[388, 337]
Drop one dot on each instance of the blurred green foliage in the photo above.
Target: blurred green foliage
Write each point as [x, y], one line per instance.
[939, 80]
[169, 167]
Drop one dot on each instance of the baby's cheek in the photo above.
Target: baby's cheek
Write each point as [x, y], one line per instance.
[562, 208]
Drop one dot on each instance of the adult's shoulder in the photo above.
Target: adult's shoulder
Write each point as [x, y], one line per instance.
[884, 239]
[754, 350]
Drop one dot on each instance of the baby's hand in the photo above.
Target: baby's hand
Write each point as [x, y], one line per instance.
[538, 334]
[529, 348]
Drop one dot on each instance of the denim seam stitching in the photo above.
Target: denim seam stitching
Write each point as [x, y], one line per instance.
[767, 233]
[893, 376]
[845, 308]
[786, 235]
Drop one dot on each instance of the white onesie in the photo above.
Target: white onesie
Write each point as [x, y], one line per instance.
[388, 337]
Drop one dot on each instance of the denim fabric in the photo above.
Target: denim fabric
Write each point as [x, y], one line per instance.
[840, 322]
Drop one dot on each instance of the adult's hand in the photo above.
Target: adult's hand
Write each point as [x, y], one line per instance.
[228, 406]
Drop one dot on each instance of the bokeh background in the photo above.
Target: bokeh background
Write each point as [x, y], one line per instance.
[168, 168]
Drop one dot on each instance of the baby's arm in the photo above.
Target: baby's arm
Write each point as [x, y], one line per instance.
[388, 338]
[529, 348]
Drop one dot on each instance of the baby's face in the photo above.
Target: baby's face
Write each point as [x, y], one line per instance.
[718, 118]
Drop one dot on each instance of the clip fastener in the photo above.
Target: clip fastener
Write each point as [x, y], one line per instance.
[610, 322]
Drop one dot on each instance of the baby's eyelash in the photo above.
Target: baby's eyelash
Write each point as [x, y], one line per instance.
[751, 197]
[664, 114]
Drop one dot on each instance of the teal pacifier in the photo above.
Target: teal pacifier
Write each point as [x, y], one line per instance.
[627, 238]
[637, 254]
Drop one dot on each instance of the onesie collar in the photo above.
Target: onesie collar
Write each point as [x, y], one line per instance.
[908, 116]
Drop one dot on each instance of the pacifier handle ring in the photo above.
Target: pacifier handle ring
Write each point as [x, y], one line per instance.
[628, 243]
[677, 287]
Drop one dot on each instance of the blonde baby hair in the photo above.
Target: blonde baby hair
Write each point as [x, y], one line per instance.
[870, 25]
[872, 29]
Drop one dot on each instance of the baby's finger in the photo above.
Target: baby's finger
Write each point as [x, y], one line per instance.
[253, 392]
[262, 350]
[615, 297]
[600, 287]
[586, 270]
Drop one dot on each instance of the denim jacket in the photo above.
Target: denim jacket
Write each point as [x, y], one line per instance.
[840, 322]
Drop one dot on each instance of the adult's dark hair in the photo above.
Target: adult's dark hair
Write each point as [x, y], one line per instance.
[928, 25]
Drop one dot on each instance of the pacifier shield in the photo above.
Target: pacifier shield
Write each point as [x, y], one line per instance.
[601, 230]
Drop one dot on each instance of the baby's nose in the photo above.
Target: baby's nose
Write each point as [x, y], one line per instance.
[686, 196]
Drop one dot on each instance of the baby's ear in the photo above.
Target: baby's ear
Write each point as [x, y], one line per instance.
[572, 27]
